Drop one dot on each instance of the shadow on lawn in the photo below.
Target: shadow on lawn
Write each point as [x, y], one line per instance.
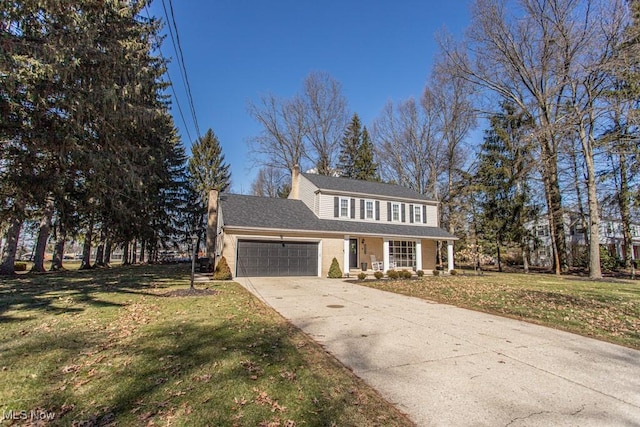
[46, 292]
[175, 365]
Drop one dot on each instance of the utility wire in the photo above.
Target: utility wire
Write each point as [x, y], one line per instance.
[177, 47]
[173, 90]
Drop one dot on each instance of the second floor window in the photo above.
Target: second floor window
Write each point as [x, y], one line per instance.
[395, 212]
[368, 208]
[417, 214]
[344, 208]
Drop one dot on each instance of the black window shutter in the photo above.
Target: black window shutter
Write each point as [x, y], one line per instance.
[424, 214]
[403, 212]
[353, 208]
[411, 214]
[377, 210]
[388, 211]
[361, 208]
[336, 207]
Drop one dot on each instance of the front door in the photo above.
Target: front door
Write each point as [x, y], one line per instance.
[353, 253]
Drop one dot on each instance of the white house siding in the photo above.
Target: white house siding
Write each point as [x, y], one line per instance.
[432, 216]
[325, 210]
[306, 193]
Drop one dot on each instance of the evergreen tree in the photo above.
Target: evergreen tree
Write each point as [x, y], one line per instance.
[500, 184]
[207, 167]
[349, 148]
[207, 171]
[366, 168]
[356, 153]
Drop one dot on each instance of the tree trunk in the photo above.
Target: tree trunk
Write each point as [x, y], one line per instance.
[7, 266]
[142, 251]
[554, 207]
[134, 252]
[100, 254]
[499, 258]
[86, 247]
[107, 252]
[624, 196]
[43, 237]
[592, 198]
[58, 250]
[125, 254]
[525, 259]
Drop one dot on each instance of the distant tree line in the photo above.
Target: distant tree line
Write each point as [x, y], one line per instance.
[557, 82]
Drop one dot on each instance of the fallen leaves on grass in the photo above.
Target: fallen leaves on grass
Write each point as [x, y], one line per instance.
[263, 399]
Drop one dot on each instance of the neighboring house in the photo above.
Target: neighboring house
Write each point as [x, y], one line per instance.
[326, 217]
[576, 235]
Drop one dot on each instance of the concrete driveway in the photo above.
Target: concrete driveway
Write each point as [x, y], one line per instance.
[446, 366]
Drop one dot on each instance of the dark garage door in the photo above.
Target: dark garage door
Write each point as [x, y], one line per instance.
[260, 258]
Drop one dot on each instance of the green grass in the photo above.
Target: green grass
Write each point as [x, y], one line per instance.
[607, 310]
[105, 347]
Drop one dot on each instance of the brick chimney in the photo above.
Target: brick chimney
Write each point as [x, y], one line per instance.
[212, 226]
[295, 183]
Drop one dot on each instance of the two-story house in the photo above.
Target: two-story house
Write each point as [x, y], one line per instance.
[357, 222]
[576, 237]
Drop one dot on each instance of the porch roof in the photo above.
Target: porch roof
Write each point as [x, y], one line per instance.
[251, 212]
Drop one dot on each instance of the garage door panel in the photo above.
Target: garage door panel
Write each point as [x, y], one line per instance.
[273, 258]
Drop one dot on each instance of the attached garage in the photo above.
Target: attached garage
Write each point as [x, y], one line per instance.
[257, 258]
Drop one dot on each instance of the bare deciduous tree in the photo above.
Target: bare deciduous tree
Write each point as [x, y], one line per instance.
[537, 61]
[269, 182]
[408, 146]
[303, 129]
[281, 142]
[325, 118]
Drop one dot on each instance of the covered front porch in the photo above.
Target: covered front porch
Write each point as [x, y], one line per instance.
[369, 254]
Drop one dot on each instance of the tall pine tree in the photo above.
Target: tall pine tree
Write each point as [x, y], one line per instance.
[207, 171]
[356, 159]
[500, 184]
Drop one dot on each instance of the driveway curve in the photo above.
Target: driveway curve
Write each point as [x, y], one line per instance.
[445, 366]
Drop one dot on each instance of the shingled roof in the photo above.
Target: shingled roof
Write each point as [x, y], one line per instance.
[252, 212]
[332, 183]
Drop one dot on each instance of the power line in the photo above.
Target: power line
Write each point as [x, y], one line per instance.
[173, 90]
[177, 47]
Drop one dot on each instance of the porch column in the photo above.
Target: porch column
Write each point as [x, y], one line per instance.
[385, 254]
[418, 254]
[450, 265]
[345, 259]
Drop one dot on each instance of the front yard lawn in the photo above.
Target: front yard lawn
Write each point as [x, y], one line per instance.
[107, 347]
[607, 310]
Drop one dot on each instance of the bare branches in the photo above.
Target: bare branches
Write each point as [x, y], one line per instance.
[306, 127]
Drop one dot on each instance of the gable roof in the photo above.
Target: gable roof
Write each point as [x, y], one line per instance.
[348, 185]
[252, 212]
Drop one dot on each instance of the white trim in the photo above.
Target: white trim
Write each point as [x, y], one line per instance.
[376, 197]
[320, 258]
[451, 265]
[231, 229]
[418, 254]
[385, 254]
[345, 258]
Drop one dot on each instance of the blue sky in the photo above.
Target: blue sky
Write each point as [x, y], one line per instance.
[236, 50]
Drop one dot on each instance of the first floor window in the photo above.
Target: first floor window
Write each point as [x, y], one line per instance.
[403, 253]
